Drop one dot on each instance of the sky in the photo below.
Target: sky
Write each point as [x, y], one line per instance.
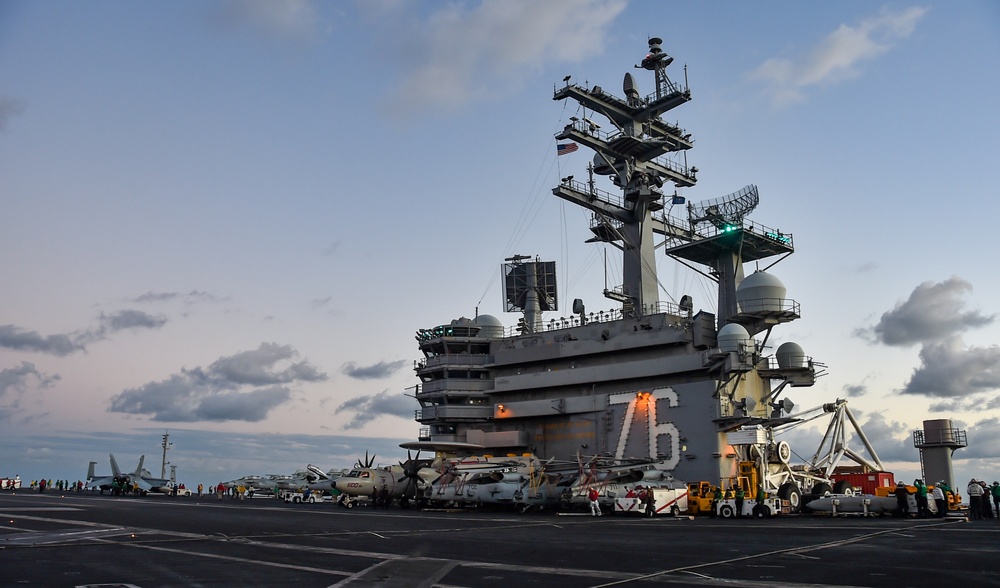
[225, 220]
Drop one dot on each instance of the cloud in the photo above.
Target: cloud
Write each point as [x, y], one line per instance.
[983, 438]
[242, 387]
[836, 58]
[892, 440]
[130, 319]
[855, 389]
[295, 20]
[18, 339]
[465, 52]
[191, 297]
[382, 369]
[932, 312]
[256, 367]
[950, 370]
[370, 407]
[8, 108]
[14, 383]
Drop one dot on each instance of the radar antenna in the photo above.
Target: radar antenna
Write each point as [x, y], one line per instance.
[725, 213]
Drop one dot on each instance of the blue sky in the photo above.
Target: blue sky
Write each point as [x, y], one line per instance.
[227, 219]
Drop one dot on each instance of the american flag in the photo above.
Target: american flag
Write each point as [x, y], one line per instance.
[564, 148]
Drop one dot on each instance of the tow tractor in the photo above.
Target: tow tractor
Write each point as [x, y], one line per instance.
[299, 496]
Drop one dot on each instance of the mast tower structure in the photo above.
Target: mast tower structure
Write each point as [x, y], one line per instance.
[633, 155]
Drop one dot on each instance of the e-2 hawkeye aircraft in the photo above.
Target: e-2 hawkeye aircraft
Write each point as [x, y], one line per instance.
[403, 482]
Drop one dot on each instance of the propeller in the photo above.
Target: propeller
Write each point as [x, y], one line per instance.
[411, 474]
[367, 463]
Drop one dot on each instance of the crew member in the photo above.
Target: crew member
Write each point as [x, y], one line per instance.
[739, 501]
[939, 501]
[975, 499]
[922, 511]
[902, 502]
[995, 492]
[595, 507]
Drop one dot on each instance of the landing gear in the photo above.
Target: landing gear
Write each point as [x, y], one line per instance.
[790, 492]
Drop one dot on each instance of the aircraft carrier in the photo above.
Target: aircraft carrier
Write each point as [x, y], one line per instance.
[88, 540]
[646, 381]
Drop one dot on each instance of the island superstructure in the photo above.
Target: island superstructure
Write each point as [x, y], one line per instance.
[647, 381]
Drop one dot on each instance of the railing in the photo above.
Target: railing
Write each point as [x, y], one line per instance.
[707, 230]
[940, 438]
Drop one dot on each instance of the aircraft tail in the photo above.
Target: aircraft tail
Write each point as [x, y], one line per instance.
[137, 477]
[90, 471]
[115, 471]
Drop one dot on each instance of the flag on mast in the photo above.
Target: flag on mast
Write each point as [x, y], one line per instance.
[564, 148]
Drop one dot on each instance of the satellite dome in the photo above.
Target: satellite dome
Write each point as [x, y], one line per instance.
[732, 337]
[760, 291]
[790, 355]
[491, 325]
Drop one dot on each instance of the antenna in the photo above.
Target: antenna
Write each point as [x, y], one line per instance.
[726, 213]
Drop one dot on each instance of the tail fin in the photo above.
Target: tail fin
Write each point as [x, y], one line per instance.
[90, 471]
[138, 470]
[114, 466]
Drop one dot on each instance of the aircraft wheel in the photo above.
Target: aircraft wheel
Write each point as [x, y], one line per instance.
[790, 492]
[727, 511]
[349, 504]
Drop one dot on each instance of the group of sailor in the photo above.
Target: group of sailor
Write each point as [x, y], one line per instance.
[979, 499]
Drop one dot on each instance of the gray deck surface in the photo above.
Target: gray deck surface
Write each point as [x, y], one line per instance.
[85, 540]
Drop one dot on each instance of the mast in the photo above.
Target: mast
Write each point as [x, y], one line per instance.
[633, 154]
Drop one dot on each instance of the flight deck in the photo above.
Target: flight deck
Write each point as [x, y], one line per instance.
[89, 540]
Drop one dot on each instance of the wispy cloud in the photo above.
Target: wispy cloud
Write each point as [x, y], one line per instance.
[10, 107]
[837, 58]
[18, 339]
[466, 51]
[14, 383]
[367, 408]
[295, 20]
[242, 387]
[382, 369]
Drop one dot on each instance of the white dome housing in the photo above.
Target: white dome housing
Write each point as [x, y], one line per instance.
[790, 355]
[733, 337]
[491, 326]
[760, 291]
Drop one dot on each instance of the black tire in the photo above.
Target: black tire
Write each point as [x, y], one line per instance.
[727, 511]
[349, 504]
[821, 489]
[790, 492]
[842, 487]
[763, 511]
[675, 512]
